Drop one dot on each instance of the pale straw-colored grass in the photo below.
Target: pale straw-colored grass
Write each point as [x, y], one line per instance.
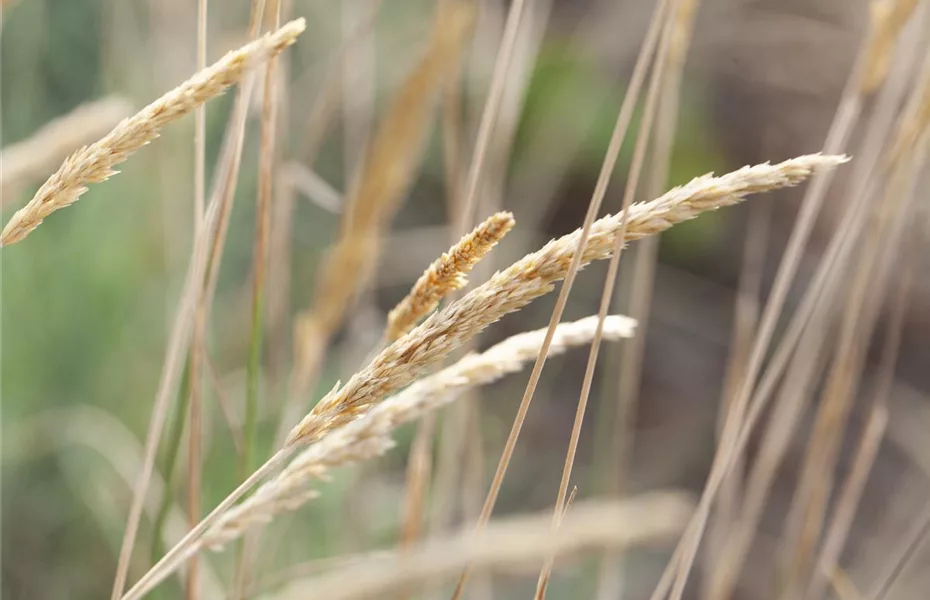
[624, 117]
[192, 290]
[97, 162]
[370, 436]
[447, 274]
[637, 163]
[505, 544]
[365, 438]
[751, 401]
[532, 276]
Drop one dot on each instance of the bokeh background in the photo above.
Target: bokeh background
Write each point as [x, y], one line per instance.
[88, 299]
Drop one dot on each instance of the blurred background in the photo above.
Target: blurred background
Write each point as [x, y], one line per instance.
[89, 298]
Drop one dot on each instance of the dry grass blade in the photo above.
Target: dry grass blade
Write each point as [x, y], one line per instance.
[198, 348]
[387, 173]
[447, 274]
[188, 545]
[648, 519]
[848, 501]
[181, 332]
[635, 171]
[734, 428]
[96, 163]
[808, 331]
[617, 428]
[597, 197]
[863, 301]
[871, 437]
[33, 157]
[535, 275]
[370, 436]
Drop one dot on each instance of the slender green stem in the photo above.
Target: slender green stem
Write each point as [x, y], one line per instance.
[252, 375]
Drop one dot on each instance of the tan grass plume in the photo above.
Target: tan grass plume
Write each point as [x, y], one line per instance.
[370, 436]
[447, 274]
[97, 162]
[535, 275]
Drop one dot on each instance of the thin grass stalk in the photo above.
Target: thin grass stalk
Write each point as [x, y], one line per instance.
[175, 557]
[613, 152]
[173, 446]
[193, 285]
[844, 121]
[223, 186]
[260, 252]
[620, 435]
[174, 361]
[420, 459]
[819, 298]
[807, 365]
[194, 452]
[806, 513]
[226, 177]
[813, 491]
[745, 319]
[636, 167]
[263, 211]
[839, 527]
[848, 501]
[460, 473]
[278, 305]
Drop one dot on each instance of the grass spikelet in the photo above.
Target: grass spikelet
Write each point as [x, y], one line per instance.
[370, 436]
[97, 162]
[33, 157]
[886, 19]
[535, 275]
[387, 173]
[447, 274]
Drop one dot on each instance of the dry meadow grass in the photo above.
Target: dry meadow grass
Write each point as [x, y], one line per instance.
[241, 433]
